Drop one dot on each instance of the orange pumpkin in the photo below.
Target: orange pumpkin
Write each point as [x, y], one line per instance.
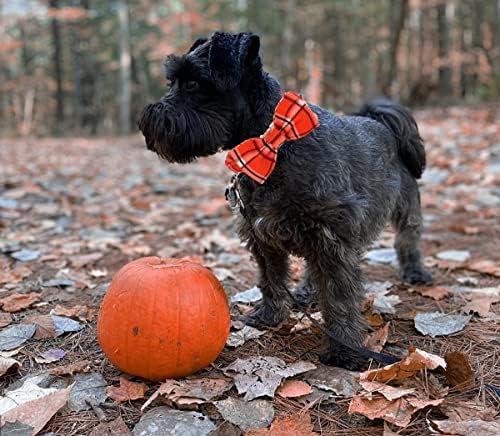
[163, 318]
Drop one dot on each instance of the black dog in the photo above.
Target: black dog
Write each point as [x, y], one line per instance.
[329, 196]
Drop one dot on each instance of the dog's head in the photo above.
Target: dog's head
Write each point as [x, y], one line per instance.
[214, 92]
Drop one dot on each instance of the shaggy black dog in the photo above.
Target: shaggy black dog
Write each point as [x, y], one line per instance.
[329, 196]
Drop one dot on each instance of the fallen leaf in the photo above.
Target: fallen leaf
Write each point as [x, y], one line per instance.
[16, 335]
[28, 391]
[239, 337]
[251, 295]
[293, 389]
[37, 413]
[373, 319]
[45, 328]
[82, 313]
[466, 410]
[195, 391]
[49, 356]
[480, 305]
[436, 292]
[292, 425]
[127, 391]
[382, 303]
[485, 267]
[5, 319]
[389, 392]
[458, 369]
[17, 302]
[454, 255]
[332, 379]
[398, 412]
[16, 428]
[72, 368]
[305, 323]
[376, 340]
[381, 255]
[466, 428]
[88, 388]
[25, 255]
[8, 365]
[409, 366]
[65, 325]
[14, 276]
[81, 260]
[113, 428]
[261, 376]
[161, 419]
[246, 414]
[440, 324]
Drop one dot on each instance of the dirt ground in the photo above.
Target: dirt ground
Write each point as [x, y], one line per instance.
[87, 207]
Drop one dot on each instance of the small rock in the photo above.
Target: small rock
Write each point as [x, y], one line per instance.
[88, 388]
[468, 281]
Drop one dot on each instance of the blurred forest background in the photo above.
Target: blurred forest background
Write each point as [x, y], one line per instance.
[87, 67]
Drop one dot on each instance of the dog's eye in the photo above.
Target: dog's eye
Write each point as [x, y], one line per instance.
[191, 85]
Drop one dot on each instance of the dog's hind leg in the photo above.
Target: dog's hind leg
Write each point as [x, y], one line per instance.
[273, 276]
[338, 280]
[407, 221]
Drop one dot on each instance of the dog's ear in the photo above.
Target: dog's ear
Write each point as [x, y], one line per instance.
[197, 43]
[230, 55]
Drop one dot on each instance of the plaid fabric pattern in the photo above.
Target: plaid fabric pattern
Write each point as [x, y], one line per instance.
[256, 157]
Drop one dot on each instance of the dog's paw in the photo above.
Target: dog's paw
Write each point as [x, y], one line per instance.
[413, 275]
[266, 316]
[343, 357]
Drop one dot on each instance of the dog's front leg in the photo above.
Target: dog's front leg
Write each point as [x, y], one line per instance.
[273, 276]
[338, 279]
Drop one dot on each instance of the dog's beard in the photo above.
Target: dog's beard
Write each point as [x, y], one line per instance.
[183, 135]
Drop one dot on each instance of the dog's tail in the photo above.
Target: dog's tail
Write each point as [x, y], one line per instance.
[403, 126]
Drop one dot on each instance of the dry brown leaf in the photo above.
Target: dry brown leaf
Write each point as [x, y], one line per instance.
[485, 267]
[389, 392]
[14, 276]
[8, 365]
[45, 328]
[37, 413]
[189, 392]
[465, 229]
[292, 425]
[5, 319]
[466, 428]
[458, 369]
[398, 412]
[436, 292]
[72, 368]
[82, 313]
[374, 319]
[376, 340]
[112, 428]
[127, 391]
[17, 302]
[480, 305]
[294, 388]
[466, 410]
[410, 365]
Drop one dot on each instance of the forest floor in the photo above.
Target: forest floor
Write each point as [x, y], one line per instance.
[73, 211]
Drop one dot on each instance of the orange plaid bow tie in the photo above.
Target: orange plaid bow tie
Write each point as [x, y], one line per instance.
[256, 157]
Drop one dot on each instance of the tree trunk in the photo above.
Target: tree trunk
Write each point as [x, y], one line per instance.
[125, 61]
[76, 71]
[397, 23]
[444, 86]
[57, 64]
[287, 42]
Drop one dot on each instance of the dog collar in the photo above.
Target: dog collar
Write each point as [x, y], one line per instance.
[256, 157]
